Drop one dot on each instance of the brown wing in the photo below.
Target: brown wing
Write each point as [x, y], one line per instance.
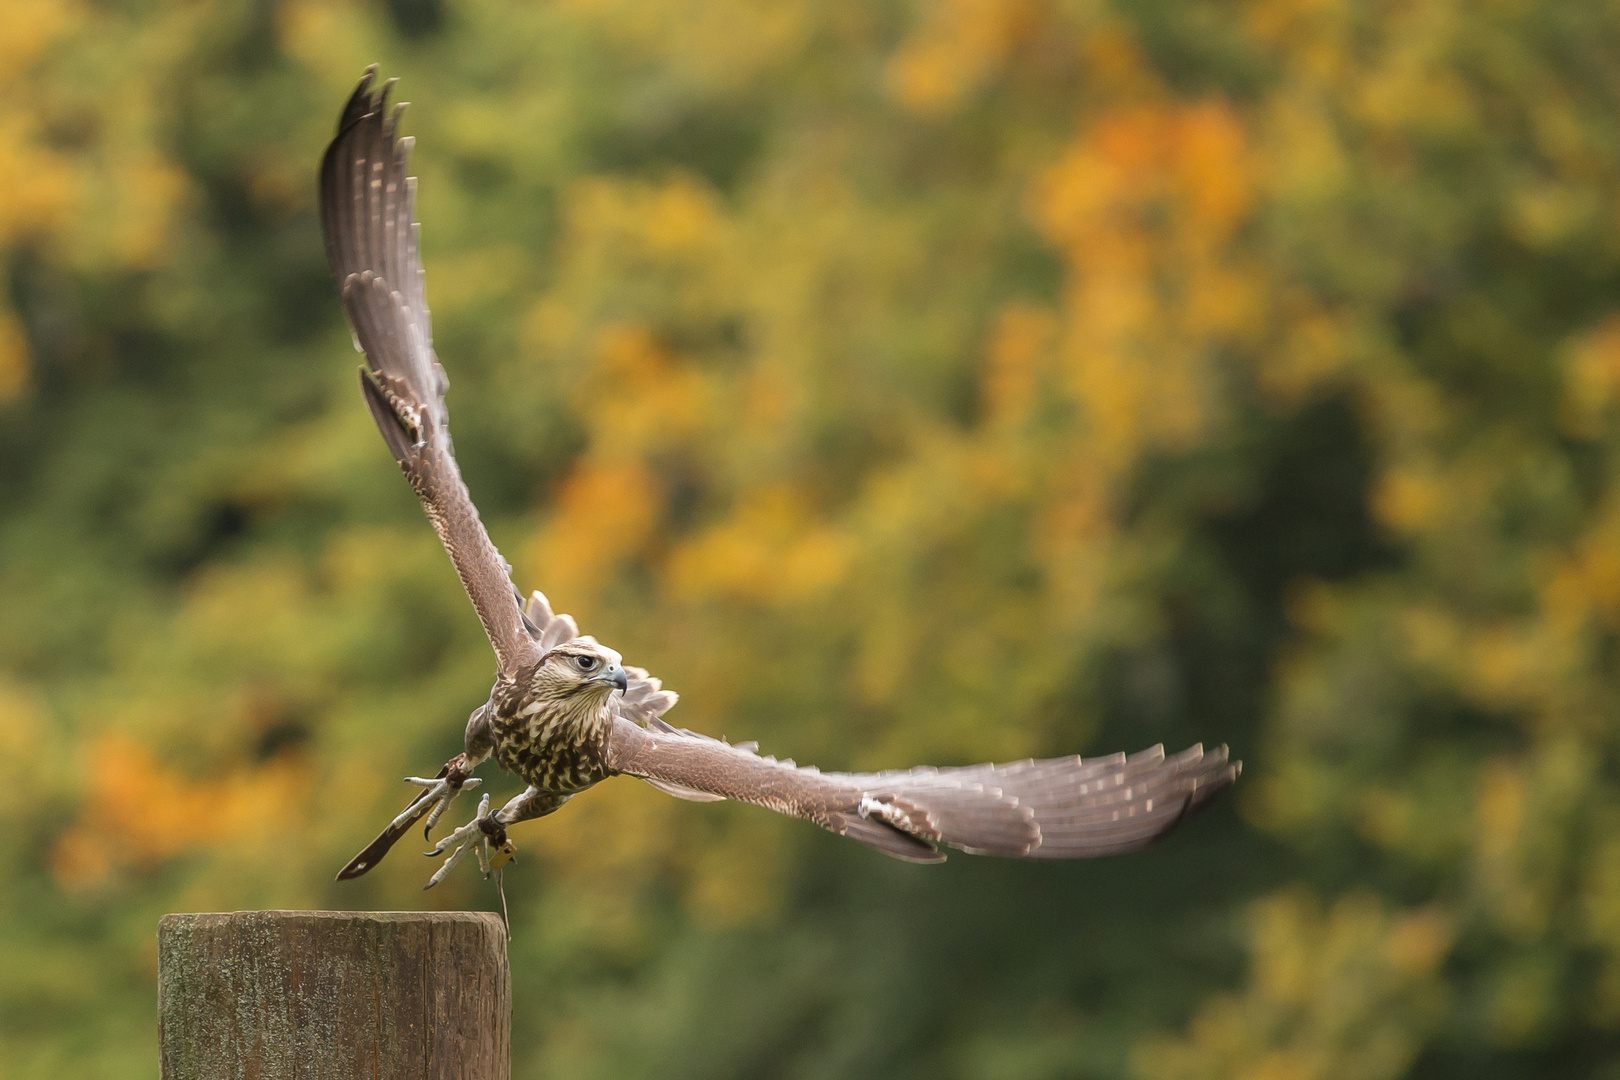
[1059, 808]
[368, 217]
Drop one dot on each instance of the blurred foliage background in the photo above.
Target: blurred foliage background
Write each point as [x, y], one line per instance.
[938, 380]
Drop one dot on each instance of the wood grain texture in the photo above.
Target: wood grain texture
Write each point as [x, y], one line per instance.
[267, 995]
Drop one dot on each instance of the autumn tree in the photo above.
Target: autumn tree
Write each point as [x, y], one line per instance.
[955, 380]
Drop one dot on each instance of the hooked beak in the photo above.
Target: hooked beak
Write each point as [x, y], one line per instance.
[615, 677]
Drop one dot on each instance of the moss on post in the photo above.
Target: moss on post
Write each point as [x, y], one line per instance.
[339, 994]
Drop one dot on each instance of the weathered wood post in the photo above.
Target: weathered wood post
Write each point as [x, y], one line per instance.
[274, 995]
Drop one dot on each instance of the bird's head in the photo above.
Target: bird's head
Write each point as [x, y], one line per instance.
[582, 666]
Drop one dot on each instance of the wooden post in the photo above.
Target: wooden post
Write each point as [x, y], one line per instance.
[312, 995]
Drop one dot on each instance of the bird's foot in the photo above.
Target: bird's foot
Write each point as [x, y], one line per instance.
[484, 834]
[441, 791]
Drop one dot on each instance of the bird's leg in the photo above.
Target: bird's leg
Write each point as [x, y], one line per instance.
[438, 793]
[486, 833]
[453, 779]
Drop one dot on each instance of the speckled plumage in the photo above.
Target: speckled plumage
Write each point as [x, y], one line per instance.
[565, 714]
[550, 727]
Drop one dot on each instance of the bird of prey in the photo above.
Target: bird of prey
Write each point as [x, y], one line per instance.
[566, 712]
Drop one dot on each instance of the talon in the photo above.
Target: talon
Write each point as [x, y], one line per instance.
[430, 804]
[443, 790]
[475, 836]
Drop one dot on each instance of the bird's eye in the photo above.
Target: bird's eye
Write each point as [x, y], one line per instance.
[586, 663]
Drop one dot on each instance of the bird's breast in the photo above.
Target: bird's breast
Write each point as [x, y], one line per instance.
[552, 746]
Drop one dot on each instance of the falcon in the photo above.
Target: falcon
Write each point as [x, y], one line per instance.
[566, 712]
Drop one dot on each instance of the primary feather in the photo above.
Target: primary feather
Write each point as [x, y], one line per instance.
[368, 217]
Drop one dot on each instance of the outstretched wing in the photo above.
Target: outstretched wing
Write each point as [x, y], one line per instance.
[368, 217]
[1059, 808]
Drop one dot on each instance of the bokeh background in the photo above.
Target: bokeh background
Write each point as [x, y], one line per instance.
[941, 380]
